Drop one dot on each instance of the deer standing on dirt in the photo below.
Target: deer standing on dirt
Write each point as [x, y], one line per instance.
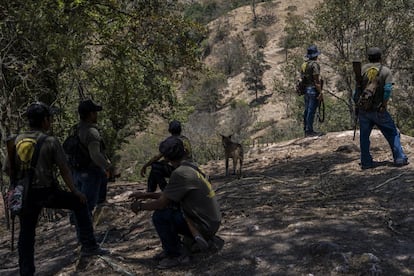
[234, 151]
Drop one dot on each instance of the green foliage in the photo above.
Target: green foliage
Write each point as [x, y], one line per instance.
[260, 37]
[254, 70]
[204, 92]
[353, 26]
[123, 54]
[239, 118]
[202, 130]
[295, 31]
[232, 57]
[222, 31]
[203, 13]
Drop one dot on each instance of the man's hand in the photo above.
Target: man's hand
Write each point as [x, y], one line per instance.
[320, 97]
[138, 195]
[143, 171]
[81, 196]
[112, 172]
[136, 206]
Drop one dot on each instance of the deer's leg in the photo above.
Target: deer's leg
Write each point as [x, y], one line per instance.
[227, 166]
[234, 165]
[241, 165]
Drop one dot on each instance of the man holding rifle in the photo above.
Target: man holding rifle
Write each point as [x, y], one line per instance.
[310, 71]
[374, 88]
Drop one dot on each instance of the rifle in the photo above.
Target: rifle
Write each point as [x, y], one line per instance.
[356, 65]
[11, 172]
[321, 107]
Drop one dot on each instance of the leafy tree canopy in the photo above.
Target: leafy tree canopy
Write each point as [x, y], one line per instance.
[124, 54]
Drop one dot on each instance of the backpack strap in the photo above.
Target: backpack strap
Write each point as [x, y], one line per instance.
[36, 152]
[194, 168]
[39, 142]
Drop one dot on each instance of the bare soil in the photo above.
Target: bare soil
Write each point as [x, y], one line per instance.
[302, 207]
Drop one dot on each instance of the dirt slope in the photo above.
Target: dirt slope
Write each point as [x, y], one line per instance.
[303, 207]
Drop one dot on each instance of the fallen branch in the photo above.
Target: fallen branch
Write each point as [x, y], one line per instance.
[386, 182]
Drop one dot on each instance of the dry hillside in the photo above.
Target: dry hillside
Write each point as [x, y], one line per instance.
[303, 207]
[239, 21]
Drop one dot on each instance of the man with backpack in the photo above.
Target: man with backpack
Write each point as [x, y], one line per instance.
[198, 217]
[371, 100]
[310, 74]
[41, 186]
[160, 168]
[91, 176]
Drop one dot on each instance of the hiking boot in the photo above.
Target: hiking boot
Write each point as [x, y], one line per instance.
[216, 243]
[401, 162]
[94, 251]
[160, 256]
[201, 242]
[370, 166]
[173, 262]
[312, 134]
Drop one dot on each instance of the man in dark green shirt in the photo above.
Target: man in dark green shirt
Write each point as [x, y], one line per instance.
[199, 217]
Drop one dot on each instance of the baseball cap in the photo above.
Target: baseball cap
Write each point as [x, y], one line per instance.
[86, 106]
[374, 51]
[172, 148]
[40, 110]
[174, 127]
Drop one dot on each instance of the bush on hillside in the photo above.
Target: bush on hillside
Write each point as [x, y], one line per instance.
[231, 56]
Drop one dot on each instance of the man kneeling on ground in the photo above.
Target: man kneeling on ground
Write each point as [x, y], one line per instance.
[198, 218]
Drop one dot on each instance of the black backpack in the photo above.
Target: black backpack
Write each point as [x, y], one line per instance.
[76, 152]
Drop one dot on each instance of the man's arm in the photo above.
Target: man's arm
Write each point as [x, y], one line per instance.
[157, 204]
[149, 163]
[67, 178]
[97, 157]
[141, 195]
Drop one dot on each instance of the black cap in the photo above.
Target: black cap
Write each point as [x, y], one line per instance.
[172, 148]
[40, 110]
[174, 127]
[86, 106]
[374, 51]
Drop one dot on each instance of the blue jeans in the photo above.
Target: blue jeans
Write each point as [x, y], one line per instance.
[169, 223]
[91, 182]
[50, 198]
[311, 103]
[384, 122]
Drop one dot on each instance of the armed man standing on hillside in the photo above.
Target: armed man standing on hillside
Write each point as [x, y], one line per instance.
[376, 114]
[43, 190]
[310, 71]
[92, 179]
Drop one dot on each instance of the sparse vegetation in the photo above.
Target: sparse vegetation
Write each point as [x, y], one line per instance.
[253, 71]
[231, 56]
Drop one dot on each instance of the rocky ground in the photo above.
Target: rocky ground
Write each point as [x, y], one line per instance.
[302, 207]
